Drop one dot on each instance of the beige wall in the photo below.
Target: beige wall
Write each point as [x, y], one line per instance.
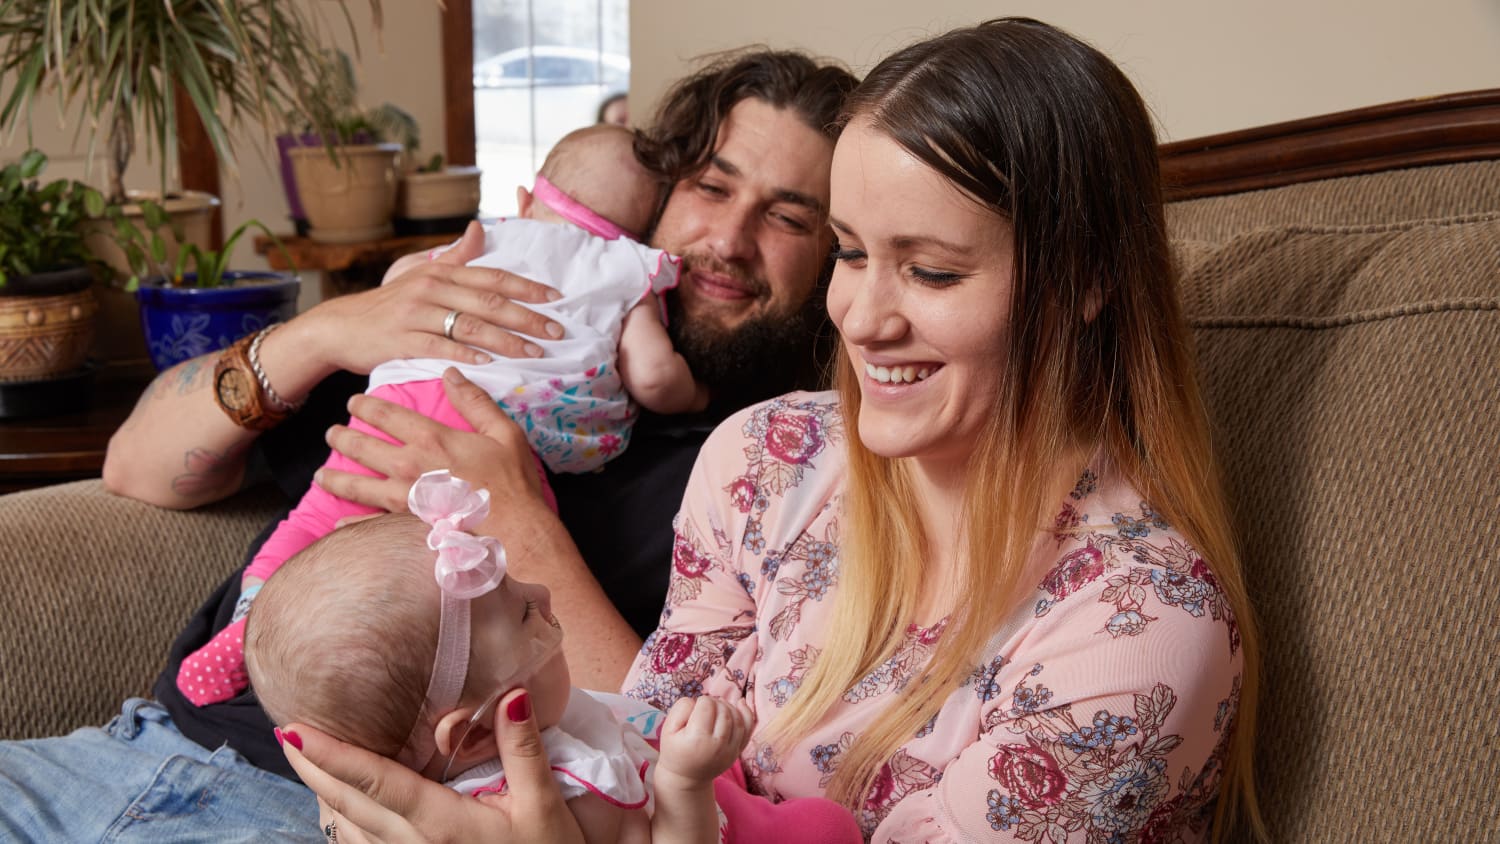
[1205, 66]
[402, 67]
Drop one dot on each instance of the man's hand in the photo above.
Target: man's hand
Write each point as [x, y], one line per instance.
[404, 318]
[700, 739]
[495, 455]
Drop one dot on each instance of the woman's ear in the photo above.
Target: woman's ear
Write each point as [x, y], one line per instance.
[450, 730]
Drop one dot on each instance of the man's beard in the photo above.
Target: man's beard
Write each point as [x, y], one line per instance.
[764, 356]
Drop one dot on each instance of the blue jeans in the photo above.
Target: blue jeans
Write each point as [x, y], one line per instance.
[139, 779]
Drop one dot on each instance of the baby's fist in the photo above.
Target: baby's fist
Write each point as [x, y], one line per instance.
[702, 737]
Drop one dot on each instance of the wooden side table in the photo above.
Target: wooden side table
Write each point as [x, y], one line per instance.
[68, 447]
[349, 266]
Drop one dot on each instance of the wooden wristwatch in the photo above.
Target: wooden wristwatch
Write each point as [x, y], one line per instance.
[238, 391]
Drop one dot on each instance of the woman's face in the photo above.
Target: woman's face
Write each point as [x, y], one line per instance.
[920, 296]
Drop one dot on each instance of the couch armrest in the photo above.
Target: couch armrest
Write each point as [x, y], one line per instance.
[96, 587]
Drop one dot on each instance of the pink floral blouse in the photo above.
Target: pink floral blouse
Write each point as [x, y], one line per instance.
[1100, 713]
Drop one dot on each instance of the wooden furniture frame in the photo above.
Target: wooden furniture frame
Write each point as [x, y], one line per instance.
[1433, 130]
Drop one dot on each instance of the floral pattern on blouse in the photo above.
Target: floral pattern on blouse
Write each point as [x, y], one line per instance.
[1100, 713]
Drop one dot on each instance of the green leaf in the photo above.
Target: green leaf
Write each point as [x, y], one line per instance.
[187, 252]
[32, 164]
[155, 215]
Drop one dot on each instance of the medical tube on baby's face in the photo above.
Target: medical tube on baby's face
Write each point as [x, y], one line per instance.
[541, 641]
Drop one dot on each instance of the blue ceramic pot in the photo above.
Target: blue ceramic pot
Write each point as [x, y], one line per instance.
[185, 322]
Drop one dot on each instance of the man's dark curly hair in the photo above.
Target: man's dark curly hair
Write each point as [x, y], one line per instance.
[681, 137]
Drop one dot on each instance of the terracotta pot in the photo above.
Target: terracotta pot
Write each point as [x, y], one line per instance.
[349, 197]
[46, 324]
[119, 345]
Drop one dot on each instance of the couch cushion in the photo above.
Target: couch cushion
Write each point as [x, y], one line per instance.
[1353, 376]
[1414, 193]
[96, 586]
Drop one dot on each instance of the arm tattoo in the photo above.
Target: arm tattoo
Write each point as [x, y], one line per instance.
[207, 471]
[186, 377]
[194, 375]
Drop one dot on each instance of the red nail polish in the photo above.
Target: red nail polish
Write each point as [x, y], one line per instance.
[291, 738]
[519, 709]
[276, 731]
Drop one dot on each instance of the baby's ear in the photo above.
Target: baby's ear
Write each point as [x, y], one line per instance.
[450, 730]
[523, 201]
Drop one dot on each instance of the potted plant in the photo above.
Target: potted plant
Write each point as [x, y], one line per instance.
[186, 314]
[144, 65]
[127, 60]
[434, 199]
[46, 305]
[345, 180]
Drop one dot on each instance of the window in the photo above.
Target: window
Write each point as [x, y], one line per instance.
[541, 69]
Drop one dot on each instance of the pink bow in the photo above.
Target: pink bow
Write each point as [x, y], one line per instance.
[467, 566]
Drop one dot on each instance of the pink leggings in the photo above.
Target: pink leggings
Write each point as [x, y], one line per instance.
[318, 511]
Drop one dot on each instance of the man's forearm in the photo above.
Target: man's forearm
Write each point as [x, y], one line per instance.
[178, 449]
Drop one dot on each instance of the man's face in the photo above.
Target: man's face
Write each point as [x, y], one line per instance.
[752, 231]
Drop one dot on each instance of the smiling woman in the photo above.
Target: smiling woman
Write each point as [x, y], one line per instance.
[991, 590]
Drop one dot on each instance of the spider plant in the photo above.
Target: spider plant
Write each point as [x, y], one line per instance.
[145, 248]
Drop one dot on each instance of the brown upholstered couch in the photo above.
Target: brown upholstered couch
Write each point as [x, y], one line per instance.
[1349, 330]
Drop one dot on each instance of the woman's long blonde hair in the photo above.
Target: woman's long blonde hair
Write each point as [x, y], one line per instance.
[1047, 133]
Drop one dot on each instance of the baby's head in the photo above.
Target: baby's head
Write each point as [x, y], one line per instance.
[343, 638]
[596, 167]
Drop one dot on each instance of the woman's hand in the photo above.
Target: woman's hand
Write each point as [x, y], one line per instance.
[404, 318]
[495, 455]
[376, 799]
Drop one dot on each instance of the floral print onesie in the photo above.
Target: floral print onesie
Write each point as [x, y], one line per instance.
[1100, 713]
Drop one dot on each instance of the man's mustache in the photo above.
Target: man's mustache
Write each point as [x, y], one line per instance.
[713, 264]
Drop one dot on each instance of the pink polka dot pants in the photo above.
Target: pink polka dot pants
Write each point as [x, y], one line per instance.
[215, 672]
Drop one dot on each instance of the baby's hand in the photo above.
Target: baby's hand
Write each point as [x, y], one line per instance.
[702, 737]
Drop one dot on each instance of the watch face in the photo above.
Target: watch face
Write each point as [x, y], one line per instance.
[234, 390]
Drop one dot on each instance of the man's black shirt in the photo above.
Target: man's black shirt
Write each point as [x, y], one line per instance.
[621, 519]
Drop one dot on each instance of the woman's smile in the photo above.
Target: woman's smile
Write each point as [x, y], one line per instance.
[898, 373]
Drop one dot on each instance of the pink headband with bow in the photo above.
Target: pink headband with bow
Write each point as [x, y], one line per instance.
[576, 212]
[467, 566]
